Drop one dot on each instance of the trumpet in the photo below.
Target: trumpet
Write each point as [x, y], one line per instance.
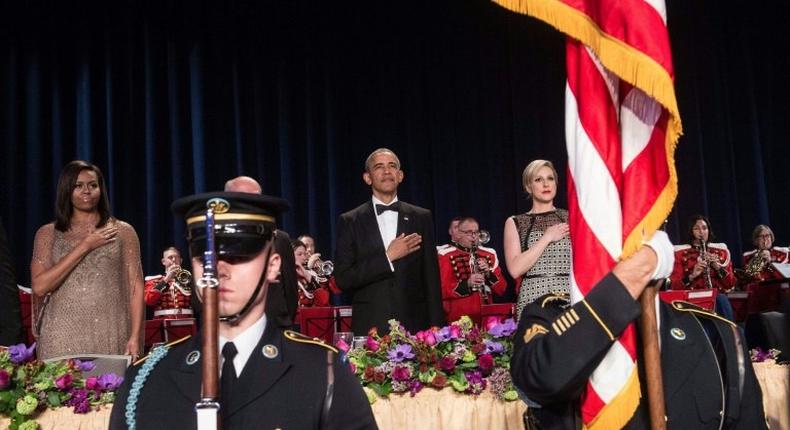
[322, 269]
[483, 237]
[183, 276]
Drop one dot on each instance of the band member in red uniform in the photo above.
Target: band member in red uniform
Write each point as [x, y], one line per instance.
[313, 289]
[766, 254]
[468, 283]
[704, 264]
[169, 294]
[695, 269]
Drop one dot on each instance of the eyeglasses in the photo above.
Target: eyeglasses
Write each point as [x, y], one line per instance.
[764, 236]
[470, 232]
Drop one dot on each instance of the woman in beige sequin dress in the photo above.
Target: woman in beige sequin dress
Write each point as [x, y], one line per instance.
[86, 273]
[537, 246]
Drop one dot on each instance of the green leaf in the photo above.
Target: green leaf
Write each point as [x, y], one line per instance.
[53, 398]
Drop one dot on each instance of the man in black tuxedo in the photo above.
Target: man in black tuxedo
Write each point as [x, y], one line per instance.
[386, 255]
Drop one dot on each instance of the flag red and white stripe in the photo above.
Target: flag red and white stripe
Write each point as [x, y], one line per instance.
[621, 128]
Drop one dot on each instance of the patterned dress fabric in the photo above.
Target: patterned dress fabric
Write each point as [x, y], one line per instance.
[89, 312]
[549, 275]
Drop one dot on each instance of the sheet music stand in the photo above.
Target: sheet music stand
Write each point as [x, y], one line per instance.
[705, 298]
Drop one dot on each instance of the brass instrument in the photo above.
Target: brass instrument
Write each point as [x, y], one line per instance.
[183, 276]
[757, 264]
[483, 238]
[323, 268]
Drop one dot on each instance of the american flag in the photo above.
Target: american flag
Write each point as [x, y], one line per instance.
[621, 127]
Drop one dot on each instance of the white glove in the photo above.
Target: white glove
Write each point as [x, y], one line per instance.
[665, 253]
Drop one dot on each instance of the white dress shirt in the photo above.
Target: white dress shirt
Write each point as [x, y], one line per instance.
[245, 344]
[388, 225]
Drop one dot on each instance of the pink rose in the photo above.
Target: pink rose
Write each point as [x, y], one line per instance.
[92, 383]
[64, 381]
[455, 331]
[491, 322]
[371, 344]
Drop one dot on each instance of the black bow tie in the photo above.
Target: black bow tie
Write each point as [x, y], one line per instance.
[380, 209]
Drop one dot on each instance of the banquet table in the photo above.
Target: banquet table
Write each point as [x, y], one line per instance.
[446, 409]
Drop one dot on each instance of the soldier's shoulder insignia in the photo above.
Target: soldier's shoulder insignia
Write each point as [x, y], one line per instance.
[681, 306]
[300, 338]
[554, 300]
[166, 346]
[533, 331]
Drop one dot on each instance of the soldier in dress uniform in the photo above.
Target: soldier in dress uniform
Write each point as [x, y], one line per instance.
[708, 378]
[270, 378]
[467, 281]
[169, 294]
[695, 269]
[767, 253]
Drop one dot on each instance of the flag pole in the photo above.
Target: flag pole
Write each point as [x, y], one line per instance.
[648, 328]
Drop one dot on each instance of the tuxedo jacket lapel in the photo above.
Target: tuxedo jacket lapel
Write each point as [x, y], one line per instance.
[405, 220]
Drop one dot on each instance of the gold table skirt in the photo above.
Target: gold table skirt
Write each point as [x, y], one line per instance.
[448, 410]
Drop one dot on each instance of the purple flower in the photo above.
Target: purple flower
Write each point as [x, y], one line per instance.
[109, 381]
[79, 400]
[5, 378]
[20, 354]
[400, 353]
[414, 387]
[506, 328]
[494, 347]
[476, 382]
[64, 381]
[442, 335]
[400, 373]
[84, 366]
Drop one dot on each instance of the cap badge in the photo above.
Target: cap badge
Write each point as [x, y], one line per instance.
[193, 357]
[218, 205]
[270, 351]
[678, 333]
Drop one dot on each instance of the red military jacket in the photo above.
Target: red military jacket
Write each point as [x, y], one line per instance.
[686, 257]
[173, 303]
[454, 269]
[315, 294]
[778, 255]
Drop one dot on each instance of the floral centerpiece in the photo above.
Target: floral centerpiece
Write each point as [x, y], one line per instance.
[462, 356]
[759, 356]
[28, 386]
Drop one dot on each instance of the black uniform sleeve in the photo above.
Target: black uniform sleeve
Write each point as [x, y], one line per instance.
[350, 408]
[557, 347]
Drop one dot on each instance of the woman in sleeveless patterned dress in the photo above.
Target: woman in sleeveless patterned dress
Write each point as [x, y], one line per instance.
[537, 245]
[86, 273]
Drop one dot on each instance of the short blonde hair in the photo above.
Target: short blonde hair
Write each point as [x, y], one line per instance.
[532, 169]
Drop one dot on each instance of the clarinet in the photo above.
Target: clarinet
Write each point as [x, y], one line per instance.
[708, 280]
